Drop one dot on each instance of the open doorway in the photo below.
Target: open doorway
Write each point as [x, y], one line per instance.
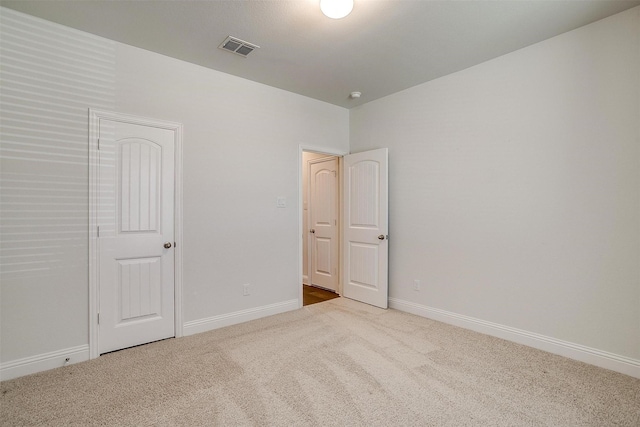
[363, 239]
[321, 227]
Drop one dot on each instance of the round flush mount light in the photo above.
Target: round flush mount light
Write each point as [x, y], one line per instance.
[336, 9]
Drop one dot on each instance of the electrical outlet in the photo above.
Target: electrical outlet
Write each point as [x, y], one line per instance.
[245, 289]
[416, 285]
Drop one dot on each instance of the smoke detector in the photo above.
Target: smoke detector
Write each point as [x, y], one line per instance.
[237, 46]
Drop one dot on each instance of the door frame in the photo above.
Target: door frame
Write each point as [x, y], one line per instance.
[94, 182]
[328, 152]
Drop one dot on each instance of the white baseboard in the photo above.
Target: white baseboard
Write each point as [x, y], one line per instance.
[603, 359]
[305, 280]
[43, 362]
[228, 319]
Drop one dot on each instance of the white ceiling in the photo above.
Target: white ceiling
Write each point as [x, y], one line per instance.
[382, 47]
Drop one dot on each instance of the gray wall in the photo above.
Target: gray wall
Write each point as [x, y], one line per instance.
[515, 184]
[241, 147]
[50, 75]
[515, 188]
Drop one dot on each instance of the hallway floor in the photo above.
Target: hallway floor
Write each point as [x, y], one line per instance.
[313, 295]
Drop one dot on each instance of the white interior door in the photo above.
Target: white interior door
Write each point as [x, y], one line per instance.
[323, 208]
[136, 234]
[366, 247]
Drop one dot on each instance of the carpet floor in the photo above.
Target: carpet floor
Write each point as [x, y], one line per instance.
[336, 363]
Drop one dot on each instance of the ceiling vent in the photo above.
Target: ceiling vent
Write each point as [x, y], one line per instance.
[237, 46]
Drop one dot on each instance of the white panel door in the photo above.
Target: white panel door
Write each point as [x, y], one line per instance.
[136, 234]
[324, 223]
[366, 247]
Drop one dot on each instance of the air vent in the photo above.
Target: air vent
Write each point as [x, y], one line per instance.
[237, 46]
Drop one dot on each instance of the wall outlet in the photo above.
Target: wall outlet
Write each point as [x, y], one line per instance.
[245, 289]
[416, 285]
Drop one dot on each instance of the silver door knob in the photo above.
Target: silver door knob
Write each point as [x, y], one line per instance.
[167, 245]
[381, 237]
[312, 231]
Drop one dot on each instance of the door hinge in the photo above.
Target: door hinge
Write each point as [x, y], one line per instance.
[98, 143]
[98, 231]
[98, 318]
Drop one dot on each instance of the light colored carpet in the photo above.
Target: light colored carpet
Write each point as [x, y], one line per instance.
[336, 363]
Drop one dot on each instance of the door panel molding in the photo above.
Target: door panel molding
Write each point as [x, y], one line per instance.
[94, 186]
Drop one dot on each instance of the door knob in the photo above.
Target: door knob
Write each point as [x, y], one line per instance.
[312, 231]
[167, 245]
[381, 237]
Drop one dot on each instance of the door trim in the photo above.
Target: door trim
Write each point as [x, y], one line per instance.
[94, 301]
[328, 152]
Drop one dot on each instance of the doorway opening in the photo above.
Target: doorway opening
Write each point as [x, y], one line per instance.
[359, 213]
[320, 227]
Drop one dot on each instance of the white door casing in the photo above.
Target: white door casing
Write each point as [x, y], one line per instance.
[323, 212]
[134, 212]
[365, 224]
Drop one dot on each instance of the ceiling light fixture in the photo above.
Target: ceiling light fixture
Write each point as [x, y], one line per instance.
[336, 9]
